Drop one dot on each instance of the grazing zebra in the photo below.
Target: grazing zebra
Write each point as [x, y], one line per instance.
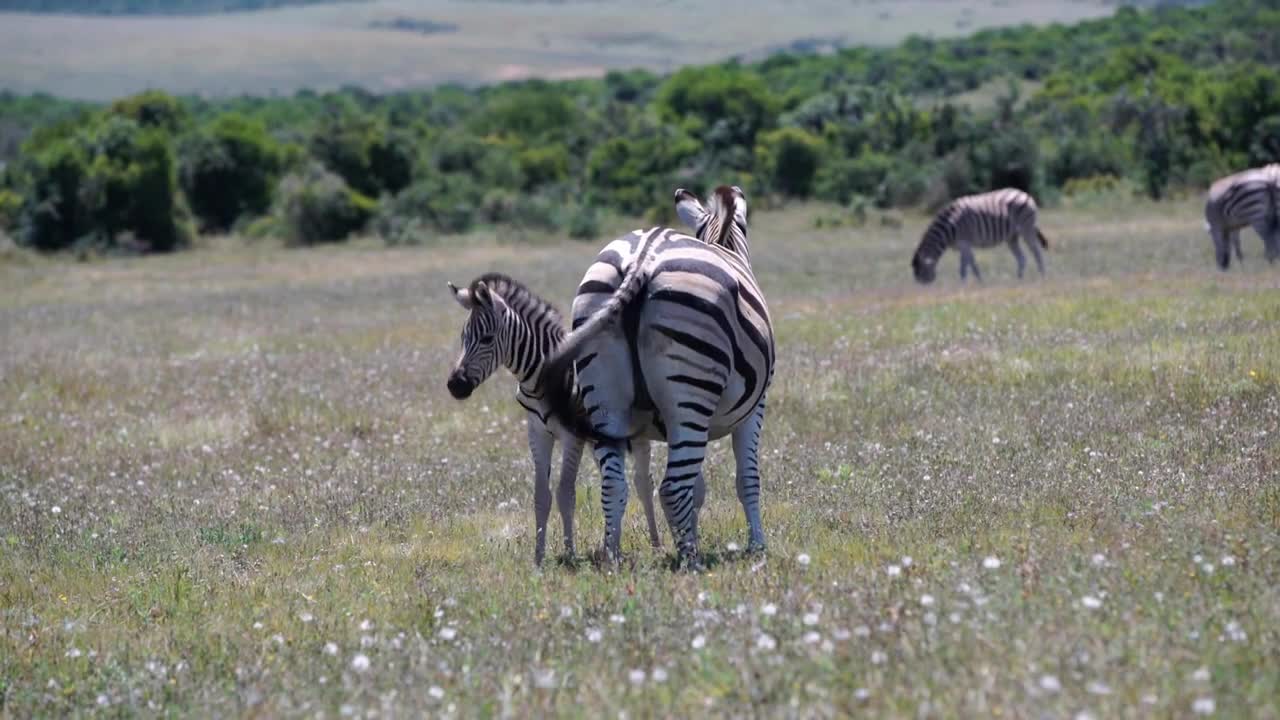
[1247, 198]
[672, 342]
[980, 221]
[511, 326]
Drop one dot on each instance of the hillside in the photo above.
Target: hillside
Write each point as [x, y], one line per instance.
[1143, 103]
[378, 46]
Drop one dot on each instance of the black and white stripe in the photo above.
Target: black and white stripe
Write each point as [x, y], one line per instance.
[980, 221]
[672, 342]
[511, 327]
[1245, 199]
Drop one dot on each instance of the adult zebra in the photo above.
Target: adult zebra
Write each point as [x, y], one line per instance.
[672, 342]
[511, 326]
[980, 221]
[1246, 198]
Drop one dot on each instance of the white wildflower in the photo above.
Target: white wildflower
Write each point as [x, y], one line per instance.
[360, 662]
[1235, 633]
[766, 642]
[991, 562]
[812, 638]
[810, 619]
[594, 635]
[448, 633]
[926, 600]
[893, 571]
[1099, 560]
[436, 692]
[699, 642]
[566, 612]
[55, 510]
[659, 675]
[1091, 602]
[731, 547]
[1204, 706]
[1097, 688]
[617, 619]
[330, 648]
[306, 617]
[637, 677]
[1050, 684]
[1201, 674]
[769, 609]
[861, 694]
[906, 561]
[878, 657]
[1228, 560]
[803, 559]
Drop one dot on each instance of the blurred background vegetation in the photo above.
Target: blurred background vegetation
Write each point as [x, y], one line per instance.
[1145, 102]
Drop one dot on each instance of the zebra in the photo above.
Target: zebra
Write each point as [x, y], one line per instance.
[511, 326]
[981, 221]
[1246, 198]
[672, 342]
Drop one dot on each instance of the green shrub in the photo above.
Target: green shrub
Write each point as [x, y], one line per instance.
[316, 206]
[229, 169]
[791, 157]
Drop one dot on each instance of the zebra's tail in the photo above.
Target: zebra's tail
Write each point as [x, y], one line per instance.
[1044, 241]
[558, 381]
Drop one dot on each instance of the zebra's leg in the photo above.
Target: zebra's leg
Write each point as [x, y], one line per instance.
[1017, 255]
[1034, 243]
[681, 490]
[540, 444]
[966, 257]
[1234, 239]
[613, 495]
[567, 490]
[640, 451]
[746, 448]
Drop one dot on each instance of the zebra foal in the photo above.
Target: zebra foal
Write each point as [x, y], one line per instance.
[512, 327]
[980, 221]
[1244, 199]
[672, 342]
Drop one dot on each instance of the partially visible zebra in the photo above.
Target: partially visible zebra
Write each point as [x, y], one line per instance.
[510, 326]
[980, 221]
[1247, 198]
[672, 342]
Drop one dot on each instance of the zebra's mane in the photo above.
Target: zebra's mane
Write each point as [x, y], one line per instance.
[519, 296]
[727, 212]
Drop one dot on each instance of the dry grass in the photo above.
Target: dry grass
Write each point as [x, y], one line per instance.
[327, 46]
[232, 482]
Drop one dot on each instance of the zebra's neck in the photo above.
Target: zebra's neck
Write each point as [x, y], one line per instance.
[725, 233]
[937, 238]
[528, 345]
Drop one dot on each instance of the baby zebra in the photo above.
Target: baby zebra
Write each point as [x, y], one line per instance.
[511, 326]
[1247, 198]
[672, 342]
[980, 221]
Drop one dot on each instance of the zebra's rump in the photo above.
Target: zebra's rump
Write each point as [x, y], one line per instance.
[1245, 198]
[700, 325]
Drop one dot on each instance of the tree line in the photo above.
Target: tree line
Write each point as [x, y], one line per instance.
[1153, 102]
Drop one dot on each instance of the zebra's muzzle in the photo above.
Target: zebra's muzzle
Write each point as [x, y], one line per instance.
[459, 387]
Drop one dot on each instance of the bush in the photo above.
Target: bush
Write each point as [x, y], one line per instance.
[791, 157]
[843, 179]
[113, 178]
[584, 223]
[316, 206]
[229, 169]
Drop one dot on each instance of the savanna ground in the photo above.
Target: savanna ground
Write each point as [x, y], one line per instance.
[232, 482]
[330, 45]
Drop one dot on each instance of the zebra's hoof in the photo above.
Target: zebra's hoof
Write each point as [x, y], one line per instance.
[756, 547]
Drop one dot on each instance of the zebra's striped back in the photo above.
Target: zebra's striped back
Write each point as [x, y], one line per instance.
[978, 221]
[1247, 198]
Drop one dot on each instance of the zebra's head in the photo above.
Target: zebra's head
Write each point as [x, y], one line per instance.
[924, 267]
[482, 350]
[722, 222]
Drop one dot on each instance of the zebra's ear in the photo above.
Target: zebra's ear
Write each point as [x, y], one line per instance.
[689, 209]
[463, 296]
[481, 296]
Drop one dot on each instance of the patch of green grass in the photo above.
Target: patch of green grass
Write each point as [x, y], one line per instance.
[232, 482]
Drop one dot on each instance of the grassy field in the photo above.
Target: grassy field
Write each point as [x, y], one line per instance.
[326, 46]
[232, 483]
